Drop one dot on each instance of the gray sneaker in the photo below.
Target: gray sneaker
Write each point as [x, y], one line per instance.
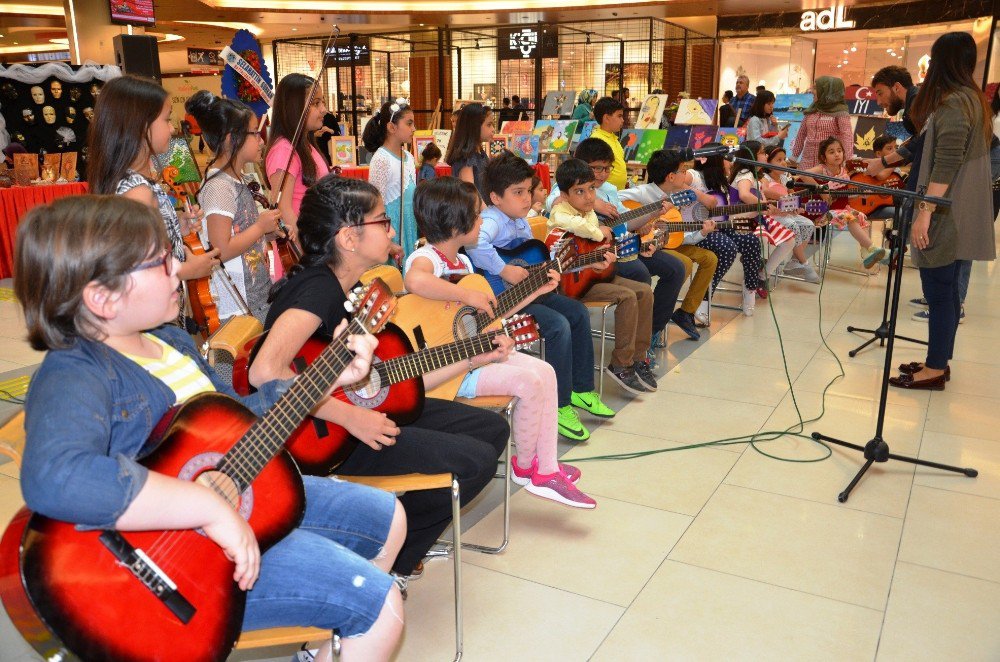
[919, 303]
[644, 372]
[625, 377]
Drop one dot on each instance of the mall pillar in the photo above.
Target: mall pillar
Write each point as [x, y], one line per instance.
[91, 34]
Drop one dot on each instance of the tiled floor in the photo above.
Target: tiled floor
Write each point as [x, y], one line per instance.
[721, 552]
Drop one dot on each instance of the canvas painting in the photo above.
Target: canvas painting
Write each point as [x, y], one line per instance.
[630, 140]
[554, 135]
[696, 111]
[442, 137]
[559, 102]
[588, 129]
[421, 138]
[67, 167]
[343, 151]
[25, 169]
[179, 155]
[727, 136]
[701, 135]
[498, 145]
[510, 127]
[794, 120]
[794, 103]
[651, 141]
[678, 136]
[866, 131]
[525, 145]
[651, 112]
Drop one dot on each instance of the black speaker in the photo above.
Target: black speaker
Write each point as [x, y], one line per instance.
[138, 54]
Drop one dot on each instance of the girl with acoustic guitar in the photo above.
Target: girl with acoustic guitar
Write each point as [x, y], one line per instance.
[98, 285]
[447, 212]
[344, 231]
[232, 223]
[131, 124]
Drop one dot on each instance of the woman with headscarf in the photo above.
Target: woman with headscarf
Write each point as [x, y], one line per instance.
[584, 110]
[826, 117]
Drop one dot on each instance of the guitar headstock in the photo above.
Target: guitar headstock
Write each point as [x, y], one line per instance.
[683, 198]
[626, 243]
[744, 224]
[788, 204]
[855, 166]
[372, 305]
[522, 329]
[816, 207]
[563, 252]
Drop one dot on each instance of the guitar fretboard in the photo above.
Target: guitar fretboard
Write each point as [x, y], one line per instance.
[538, 275]
[429, 359]
[265, 438]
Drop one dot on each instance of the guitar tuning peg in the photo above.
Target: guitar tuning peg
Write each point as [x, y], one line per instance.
[349, 306]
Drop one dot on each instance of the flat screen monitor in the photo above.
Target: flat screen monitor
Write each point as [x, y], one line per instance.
[132, 12]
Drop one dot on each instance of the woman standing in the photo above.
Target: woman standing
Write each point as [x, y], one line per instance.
[761, 126]
[584, 111]
[826, 117]
[955, 117]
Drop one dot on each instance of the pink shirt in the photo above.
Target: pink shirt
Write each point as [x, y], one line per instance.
[817, 127]
[277, 157]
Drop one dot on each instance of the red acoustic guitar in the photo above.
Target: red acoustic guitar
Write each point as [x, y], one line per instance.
[170, 595]
[869, 203]
[394, 386]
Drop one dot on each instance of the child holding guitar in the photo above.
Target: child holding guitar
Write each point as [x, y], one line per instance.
[232, 223]
[831, 164]
[774, 187]
[447, 211]
[564, 322]
[634, 310]
[98, 285]
[344, 231]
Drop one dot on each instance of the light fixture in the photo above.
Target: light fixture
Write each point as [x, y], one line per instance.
[854, 48]
[31, 9]
[845, 51]
[839, 66]
[888, 50]
[295, 29]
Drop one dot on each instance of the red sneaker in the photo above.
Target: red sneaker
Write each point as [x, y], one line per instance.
[523, 476]
[558, 488]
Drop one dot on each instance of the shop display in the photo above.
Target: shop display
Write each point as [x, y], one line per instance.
[25, 169]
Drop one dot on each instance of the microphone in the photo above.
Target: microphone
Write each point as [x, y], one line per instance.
[688, 154]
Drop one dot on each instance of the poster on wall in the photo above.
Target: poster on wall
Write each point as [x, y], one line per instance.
[651, 112]
[182, 89]
[865, 132]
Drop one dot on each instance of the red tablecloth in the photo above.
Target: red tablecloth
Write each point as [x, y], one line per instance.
[14, 203]
[443, 170]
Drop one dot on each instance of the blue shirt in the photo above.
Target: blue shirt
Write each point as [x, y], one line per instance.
[742, 106]
[89, 413]
[497, 231]
[607, 192]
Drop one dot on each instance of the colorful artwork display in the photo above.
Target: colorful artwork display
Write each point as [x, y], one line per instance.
[651, 112]
[678, 136]
[498, 145]
[794, 120]
[525, 145]
[794, 103]
[865, 132]
[728, 136]
[588, 129]
[555, 135]
[630, 140]
[559, 102]
[343, 150]
[651, 141]
[702, 134]
[510, 127]
[696, 111]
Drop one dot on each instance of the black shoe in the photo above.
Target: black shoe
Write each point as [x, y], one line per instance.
[685, 322]
[625, 376]
[645, 375]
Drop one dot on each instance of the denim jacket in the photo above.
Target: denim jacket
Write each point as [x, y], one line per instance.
[88, 416]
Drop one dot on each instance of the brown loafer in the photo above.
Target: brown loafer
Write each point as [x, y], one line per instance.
[907, 381]
[916, 366]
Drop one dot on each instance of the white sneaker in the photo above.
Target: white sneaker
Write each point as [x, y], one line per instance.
[305, 655]
[749, 301]
[809, 274]
[701, 315]
[794, 268]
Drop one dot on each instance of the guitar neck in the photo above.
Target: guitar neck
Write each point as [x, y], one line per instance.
[639, 212]
[267, 436]
[746, 208]
[515, 294]
[429, 359]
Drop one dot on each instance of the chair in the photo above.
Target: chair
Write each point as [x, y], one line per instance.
[501, 404]
[605, 307]
[12, 438]
[539, 227]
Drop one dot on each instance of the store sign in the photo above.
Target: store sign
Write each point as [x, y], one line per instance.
[827, 19]
[358, 52]
[204, 57]
[525, 43]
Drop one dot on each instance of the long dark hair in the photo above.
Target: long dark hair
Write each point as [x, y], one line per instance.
[757, 108]
[466, 140]
[749, 149]
[377, 128]
[119, 133]
[953, 60]
[714, 172]
[289, 103]
[329, 205]
[219, 119]
[63, 246]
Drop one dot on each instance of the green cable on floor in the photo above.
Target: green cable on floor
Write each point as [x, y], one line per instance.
[765, 435]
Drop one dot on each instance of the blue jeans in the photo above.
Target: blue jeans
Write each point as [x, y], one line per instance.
[944, 305]
[670, 271]
[320, 575]
[569, 349]
[964, 274]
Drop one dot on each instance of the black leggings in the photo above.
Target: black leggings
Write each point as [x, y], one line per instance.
[448, 437]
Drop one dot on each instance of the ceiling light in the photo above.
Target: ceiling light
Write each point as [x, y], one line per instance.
[853, 48]
[250, 27]
[295, 29]
[888, 50]
[845, 51]
[839, 66]
[64, 41]
[42, 10]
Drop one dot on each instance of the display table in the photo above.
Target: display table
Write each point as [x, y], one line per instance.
[444, 170]
[15, 203]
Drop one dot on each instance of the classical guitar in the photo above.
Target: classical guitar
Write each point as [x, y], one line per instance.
[639, 214]
[170, 595]
[581, 274]
[866, 204]
[394, 386]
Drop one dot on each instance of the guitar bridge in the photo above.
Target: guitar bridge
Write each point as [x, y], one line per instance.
[152, 577]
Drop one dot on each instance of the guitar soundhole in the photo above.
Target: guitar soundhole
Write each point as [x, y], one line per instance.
[464, 324]
[371, 393]
[200, 468]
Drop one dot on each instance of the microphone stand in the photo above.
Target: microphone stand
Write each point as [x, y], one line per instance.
[877, 449]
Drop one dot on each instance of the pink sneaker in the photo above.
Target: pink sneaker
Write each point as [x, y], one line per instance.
[523, 476]
[558, 488]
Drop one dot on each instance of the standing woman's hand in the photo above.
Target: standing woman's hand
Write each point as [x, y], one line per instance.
[920, 231]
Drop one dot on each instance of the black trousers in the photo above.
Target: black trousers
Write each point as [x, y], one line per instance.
[448, 437]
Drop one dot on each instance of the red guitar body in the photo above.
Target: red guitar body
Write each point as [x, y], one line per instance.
[575, 284]
[866, 204]
[65, 590]
[318, 446]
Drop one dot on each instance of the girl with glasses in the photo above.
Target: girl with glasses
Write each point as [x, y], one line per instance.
[94, 296]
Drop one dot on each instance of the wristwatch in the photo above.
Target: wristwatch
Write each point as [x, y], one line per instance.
[923, 205]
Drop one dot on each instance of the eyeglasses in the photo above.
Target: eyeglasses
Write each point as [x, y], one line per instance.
[600, 169]
[165, 261]
[254, 133]
[385, 222]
